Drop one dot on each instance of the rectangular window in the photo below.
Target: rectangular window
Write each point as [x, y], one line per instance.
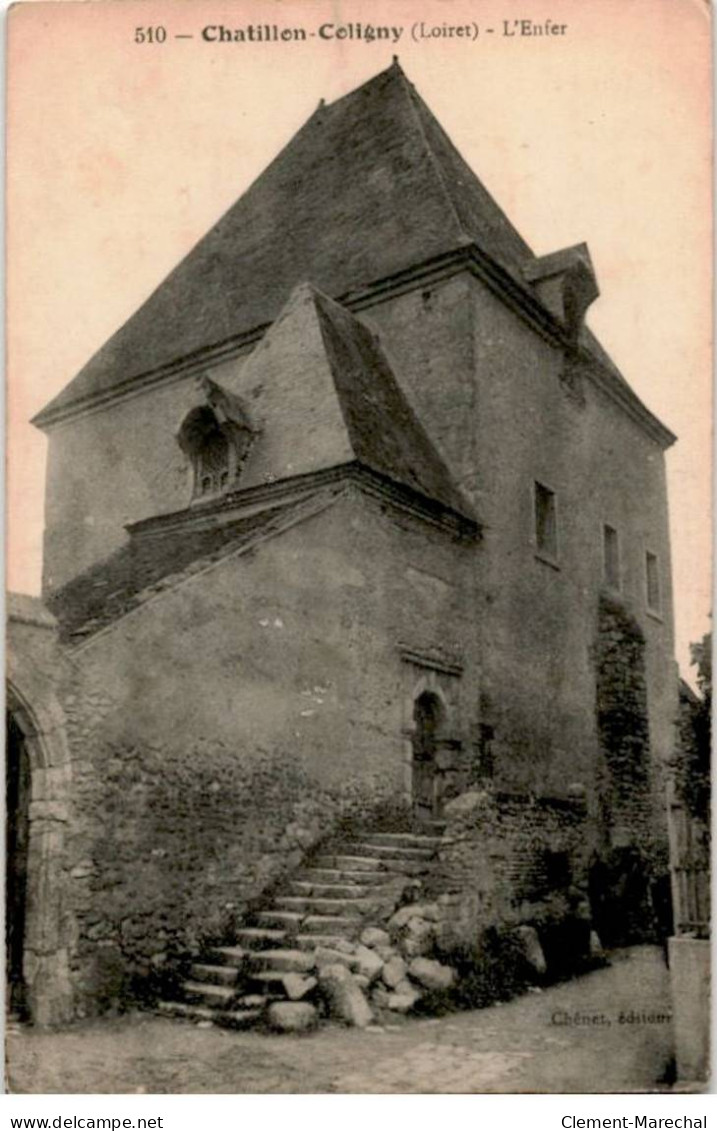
[546, 524]
[652, 580]
[611, 556]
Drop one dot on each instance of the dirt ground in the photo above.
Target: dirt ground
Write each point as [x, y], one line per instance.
[535, 1043]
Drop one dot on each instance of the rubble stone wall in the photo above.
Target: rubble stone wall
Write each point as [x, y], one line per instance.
[227, 726]
[506, 858]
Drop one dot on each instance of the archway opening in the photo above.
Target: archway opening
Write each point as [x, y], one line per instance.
[17, 836]
[428, 723]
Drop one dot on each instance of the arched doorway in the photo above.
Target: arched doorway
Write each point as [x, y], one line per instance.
[428, 720]
[37, 929]
[17, 839]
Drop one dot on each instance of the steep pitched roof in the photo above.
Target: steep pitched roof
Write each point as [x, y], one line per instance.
[369, 186]
[323, 394]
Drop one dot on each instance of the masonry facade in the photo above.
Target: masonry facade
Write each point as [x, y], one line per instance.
[356, 473]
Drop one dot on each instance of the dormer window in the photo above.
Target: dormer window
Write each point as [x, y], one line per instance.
[216, 437]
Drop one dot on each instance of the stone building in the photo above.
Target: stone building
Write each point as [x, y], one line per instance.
[354, 515]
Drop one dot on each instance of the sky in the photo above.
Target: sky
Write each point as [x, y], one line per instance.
[121, 155]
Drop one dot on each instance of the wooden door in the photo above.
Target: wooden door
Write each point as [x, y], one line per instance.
[427, 718]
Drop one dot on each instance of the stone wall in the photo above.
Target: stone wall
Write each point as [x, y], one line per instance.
[510, 859]
[623, 727]
[34, 671]
[537, 619]
[223, 728]
[493, 397]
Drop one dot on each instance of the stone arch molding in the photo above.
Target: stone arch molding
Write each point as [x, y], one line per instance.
[213, 413]
[40, 717]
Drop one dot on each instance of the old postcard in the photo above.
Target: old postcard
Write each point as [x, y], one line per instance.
[359, 678]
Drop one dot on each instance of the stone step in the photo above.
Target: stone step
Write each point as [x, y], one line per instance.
[318, 924]
[279, 918]
[228, 1019]
[204, 993]
[233, 956]
[351, 863]
[337, 876]
[217, 975]
[315, 905]
[271, 982]
[311, 942]
[394, 851]
[284, 961]
[256, 938]
[304, 888]
[254, 1001]
[408, 840]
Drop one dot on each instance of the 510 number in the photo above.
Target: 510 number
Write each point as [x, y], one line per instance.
[150, 34]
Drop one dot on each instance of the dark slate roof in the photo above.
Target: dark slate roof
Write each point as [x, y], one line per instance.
[369, 186]
[323, 395]
[147, 566]
[384, 432]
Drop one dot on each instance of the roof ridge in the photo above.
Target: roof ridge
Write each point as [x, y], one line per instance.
[394, 66]
[411, 94]
[423, 110]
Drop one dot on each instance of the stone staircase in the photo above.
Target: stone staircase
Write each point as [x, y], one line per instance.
[322, 907]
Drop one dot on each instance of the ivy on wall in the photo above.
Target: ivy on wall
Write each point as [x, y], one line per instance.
[622, 719]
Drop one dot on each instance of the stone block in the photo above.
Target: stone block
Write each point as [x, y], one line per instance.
[393, 971]
[297, 986]
[431, 974]
[403, 1002]
[380, 996]
[385, 953]
[531, 949]
[406, 987]
[345, 998]
[292, 1016]
[368, 963]
[429, 911]
[327, 956]
[467, 803]
[374, 937]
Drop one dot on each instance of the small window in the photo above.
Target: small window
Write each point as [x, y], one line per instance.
[611, 556]
[213, 448]
[486, 752]
[546, 525]
[213, 461]
[652, 580]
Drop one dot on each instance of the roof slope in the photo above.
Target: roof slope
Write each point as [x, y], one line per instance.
[323, 397]
[369, 186]
[323, 394]
[144, 567]
[384, 431]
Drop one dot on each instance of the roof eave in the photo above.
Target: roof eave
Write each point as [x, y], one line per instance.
[467, 256]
